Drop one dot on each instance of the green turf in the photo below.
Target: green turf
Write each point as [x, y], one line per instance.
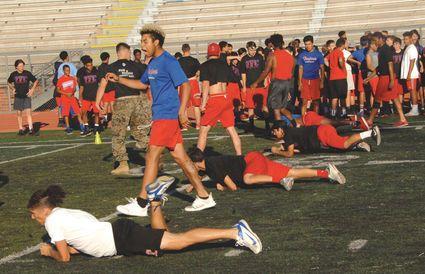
[305, 230]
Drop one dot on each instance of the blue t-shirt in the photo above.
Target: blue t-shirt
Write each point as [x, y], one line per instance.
[359, 55]
[164, 74]
[311, 62]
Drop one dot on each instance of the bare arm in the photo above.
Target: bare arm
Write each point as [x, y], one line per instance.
[341, 63]
[230, 184]
[11, 86]
[185, 96]
[266, 71]
[81, 93]
[391, 69]
[351, 60]
[101, 91]
[411, 66]
[205, 92]
[62, 254]
[289, 153]
[300, 76]
[136, 84]
[322, 75]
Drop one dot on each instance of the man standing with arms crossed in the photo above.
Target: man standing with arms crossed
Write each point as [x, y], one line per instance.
[164, 74]
[131, 108]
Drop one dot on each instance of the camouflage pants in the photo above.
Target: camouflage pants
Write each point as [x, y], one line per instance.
[133, 111]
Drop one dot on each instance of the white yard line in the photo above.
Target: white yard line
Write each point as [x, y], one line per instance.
[389, 162]
[40, 154]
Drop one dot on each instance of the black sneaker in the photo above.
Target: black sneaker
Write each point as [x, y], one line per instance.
[21, 132]
[68, 131]
[32, 132]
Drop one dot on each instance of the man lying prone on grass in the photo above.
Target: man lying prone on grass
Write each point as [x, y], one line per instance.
[254, 169]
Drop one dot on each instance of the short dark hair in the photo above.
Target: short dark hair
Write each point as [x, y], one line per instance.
[222, 44]
[297, 40]
[65, 66]
[155, 32]
[230, 45]
[136, 51]
[234, 53]
[340, 42]
[329, 42]
[178, 55]
[104, 56]
[51, 197]
[277, 40]
[397, 40]
[415, 31]
[63, 55]
[267, 41]
[341, 33]
[260, 49]
[241, 51]
[251, 44]
[18, 62]
[407, 34]
[185, 47]
[279, 125]
[196, 155]
[121, 45]
[364, 41]
[86, 59]
[378, 35]
[308, 38]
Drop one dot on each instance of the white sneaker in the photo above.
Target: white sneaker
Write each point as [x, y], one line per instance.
[363, 146]
[412, 113]
[335, 174]
[201, 204]
[133, 208]
[287, 183]
[247, 238]
[376, 135]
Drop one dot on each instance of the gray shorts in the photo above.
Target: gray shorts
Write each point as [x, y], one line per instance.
[22, 103]
[278, 93]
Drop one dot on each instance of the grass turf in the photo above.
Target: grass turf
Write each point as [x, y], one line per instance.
[305, 230]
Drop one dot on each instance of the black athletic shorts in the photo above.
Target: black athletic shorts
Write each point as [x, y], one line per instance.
[133, 239]
[278, 93]
[338, 89]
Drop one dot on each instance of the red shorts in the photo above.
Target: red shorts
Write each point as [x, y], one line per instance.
[68, 103]
[195, 93]
[109, 97]
[258, 164]
[165, 133]
[234, 93]
[383, 93]
[220, 109]
[311, 118]
[89, 105]
[310, 89]
[256, 97]
[398, 87]
[329, 137]
[374, 84]
[358, 82]
[411, 84]
[58, 101]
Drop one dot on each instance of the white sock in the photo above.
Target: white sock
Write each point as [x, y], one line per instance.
[415, 108]
[366, 134]
[333, 112]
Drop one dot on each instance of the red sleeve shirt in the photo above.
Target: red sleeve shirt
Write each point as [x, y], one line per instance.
[337, 73]
[67, 84]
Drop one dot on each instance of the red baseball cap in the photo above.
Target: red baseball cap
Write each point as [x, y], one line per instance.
[213, 49]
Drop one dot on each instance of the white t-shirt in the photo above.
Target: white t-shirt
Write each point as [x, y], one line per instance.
[410, 53]
[82, 231]
[346, 55]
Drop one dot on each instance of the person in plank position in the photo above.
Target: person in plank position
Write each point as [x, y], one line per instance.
[313, 139]
[254, 168]
[73, 231]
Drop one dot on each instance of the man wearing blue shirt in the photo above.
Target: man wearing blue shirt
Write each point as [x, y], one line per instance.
[311, 74]
[164, 75]
[360, 73]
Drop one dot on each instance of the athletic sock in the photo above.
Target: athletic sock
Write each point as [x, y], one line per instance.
[344, 111]
[366, 134]
[142, 202]
[321, 173]
[251, 121]
[333, 112]
[82, 128]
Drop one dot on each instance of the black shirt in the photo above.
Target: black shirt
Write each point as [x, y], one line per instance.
[21, 82]
[90, 81]
[218, 167]
[102, 71]
[215, 71]
[385, 55]
[397, 58]
[304, 138]
[252, 67]
[129, 70]
[189, 65]
[235, 74]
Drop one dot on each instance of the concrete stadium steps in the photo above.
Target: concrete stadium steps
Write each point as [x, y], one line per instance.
[117, 26]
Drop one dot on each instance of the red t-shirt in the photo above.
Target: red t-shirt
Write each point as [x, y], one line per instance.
[337, 73]
[285, 64]
[67, 84]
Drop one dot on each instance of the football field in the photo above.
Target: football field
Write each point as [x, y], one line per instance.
[374, 223]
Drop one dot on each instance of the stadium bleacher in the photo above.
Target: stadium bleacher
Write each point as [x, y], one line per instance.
[36, 30]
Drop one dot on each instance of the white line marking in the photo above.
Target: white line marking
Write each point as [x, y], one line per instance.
[356, 245]
[234, 253]
[40, 154]
[389, 162]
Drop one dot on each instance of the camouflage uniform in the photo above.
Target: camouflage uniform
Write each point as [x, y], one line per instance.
[136, 112]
